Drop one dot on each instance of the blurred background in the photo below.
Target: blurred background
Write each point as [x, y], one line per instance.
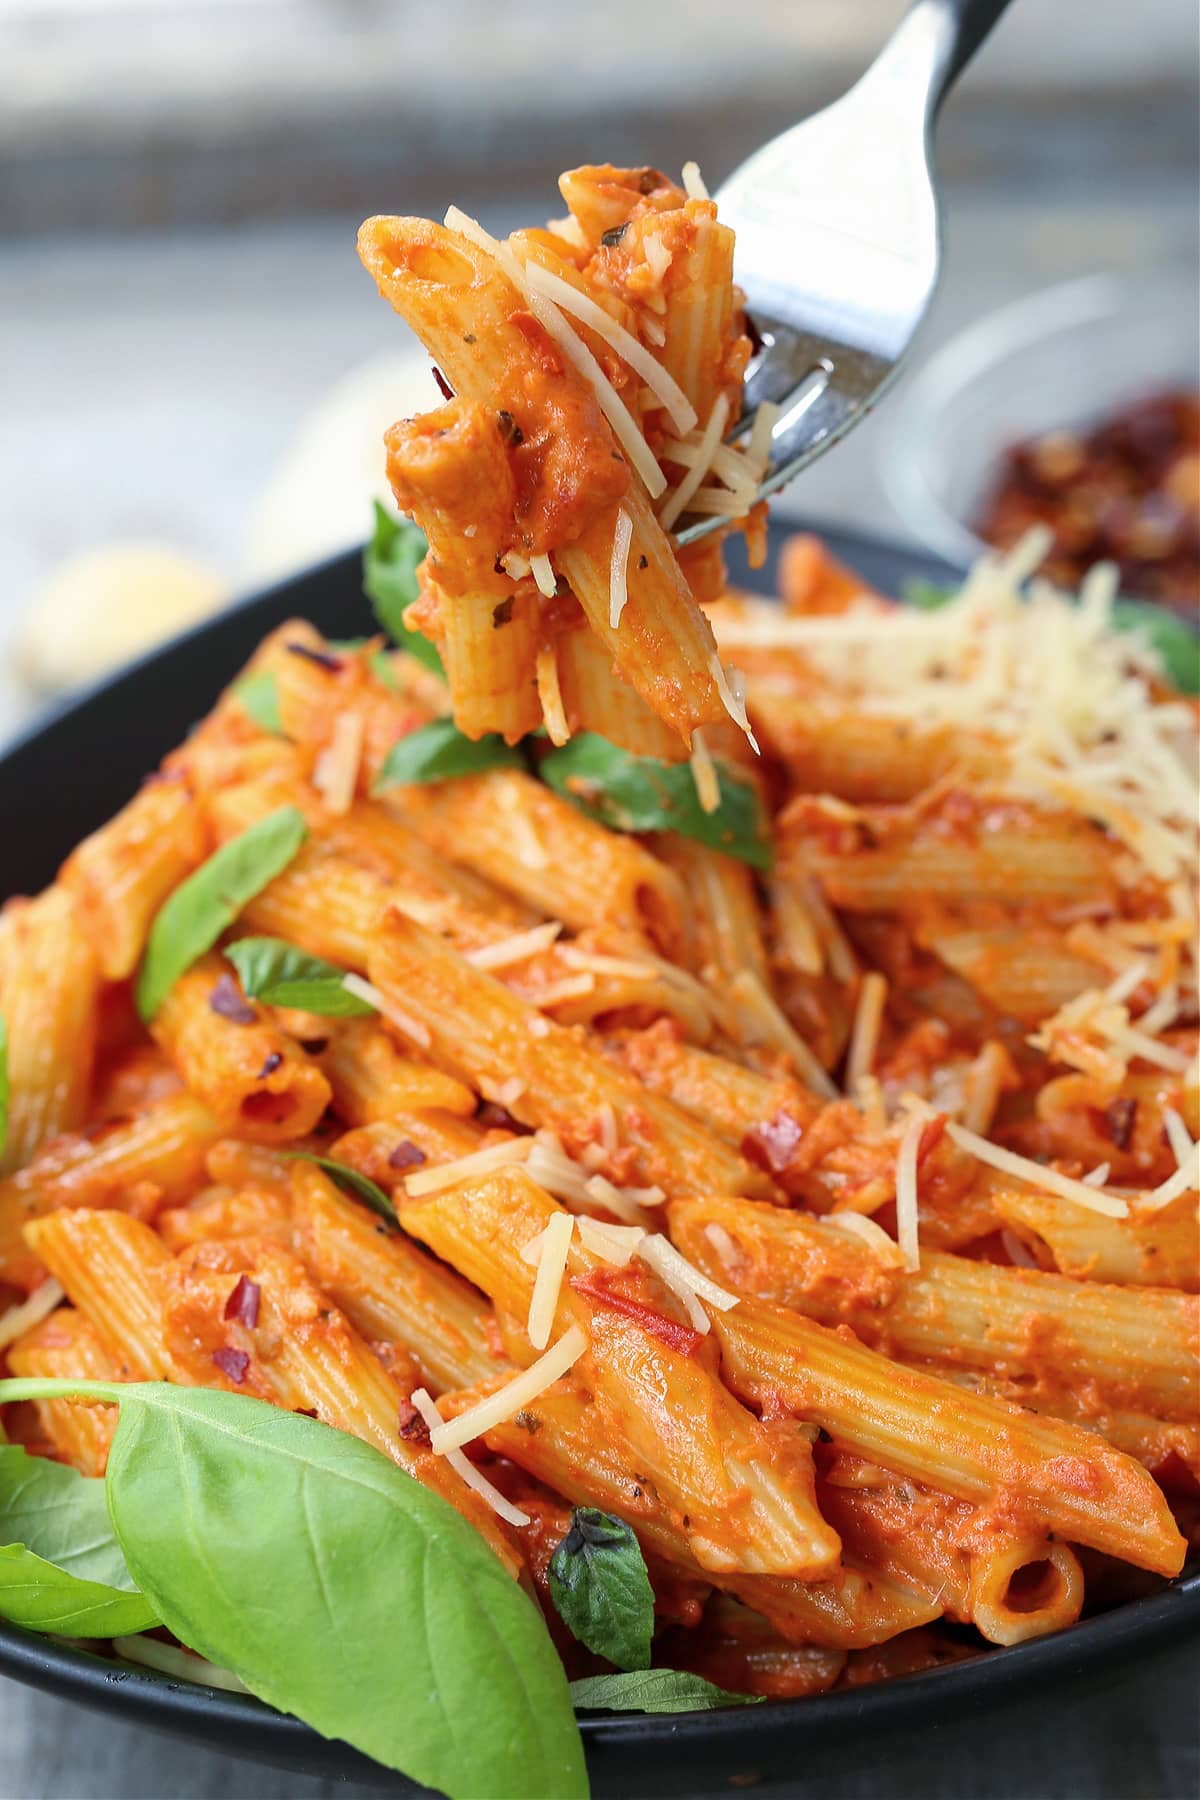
[193, 364]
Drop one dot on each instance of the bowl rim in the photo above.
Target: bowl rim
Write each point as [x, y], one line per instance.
[756, 1735]
[987, 341]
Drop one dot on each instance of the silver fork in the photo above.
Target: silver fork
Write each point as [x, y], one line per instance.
[838, 239]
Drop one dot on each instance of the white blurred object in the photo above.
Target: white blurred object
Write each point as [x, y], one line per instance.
[319, 500]
[103, 608]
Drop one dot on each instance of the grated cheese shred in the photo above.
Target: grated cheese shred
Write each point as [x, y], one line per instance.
[426, 1405]
[335, 773]
[465, 1168]
[704, 774]
[515, 949]
[618, 579]
[447, 1438]
[17, 1320]
[415, 1029]
[551, 1267]
[908, 1221]
[550, 694]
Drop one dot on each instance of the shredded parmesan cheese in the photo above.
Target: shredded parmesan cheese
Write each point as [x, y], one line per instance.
[573, 347]
[1186, 1178]
[544, 576]
[1035, 1174]
[760, 1021]
[693, 186]
[704, 774]
[426, 1405]
[663, 386]
[1098, 1176]
[618, 578]
[864, 1036]
[732, 691]
[714, 430]
[908, 1221]
[465, 1168]
[758, 450]
[550, 695]
[17, 1320]
[614, 1244]
[404, 1022]
[855, 1224]
[335, 773]
[1178, 1136]
[551, 1267]
[515, 949]
[560, 1175]
[448, 1438]
[682, 1277]
[171, 1659]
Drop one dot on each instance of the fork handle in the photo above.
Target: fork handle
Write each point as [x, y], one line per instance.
[958, 27]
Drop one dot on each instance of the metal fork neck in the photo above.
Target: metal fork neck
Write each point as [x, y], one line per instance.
[932, 45]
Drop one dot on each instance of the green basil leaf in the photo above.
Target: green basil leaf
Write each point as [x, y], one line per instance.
[640, 793]
[336, 1588]
[61, 1567]
[438, 751]
[4, 1083]
[204, 905]
[359, 1187]
[600, 1588]
[259, 695]
[281, 975]
[654, 1691]
[927, 596]
[390, 563]
[1176, 641]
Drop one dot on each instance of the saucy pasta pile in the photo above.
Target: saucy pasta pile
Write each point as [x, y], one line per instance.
[757, 1191]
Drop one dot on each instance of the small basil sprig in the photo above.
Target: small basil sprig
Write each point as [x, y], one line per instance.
[640, 793]
[439, 750]
[5, 1085]
[258, 695]
[390, 563]
[61, 1567]
[281, 975]
[336, 1588]
[208, 902]
[350, 1181]
[600, 1588]
[1175, 640]
[654, 1691]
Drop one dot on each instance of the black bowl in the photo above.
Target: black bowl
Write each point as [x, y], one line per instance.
[67, 776]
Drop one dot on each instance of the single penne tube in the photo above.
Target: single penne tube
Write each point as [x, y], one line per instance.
[390, 1290]
[884, 859]
[480, 1032]
[745, 1490]
[1136, 1347]
[49, 995]
[453, 468]
[67, 1346]
[531, 842]
[1071, 1482]
[698, 289]
[596, 699]
[252, 1076]
[497, 346]
[111, 1267]
[1160, 1249]
[1025, 1589]
[152, 1159]
[828, 749]
[120, 875]
[371, 1081]
[1020, 967]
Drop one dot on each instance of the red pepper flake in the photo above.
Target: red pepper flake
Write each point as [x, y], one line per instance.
[243, 1302]
[269, 1067]
[502, 613]
[1120, 1116]
[324, 659]
[772, 1145]
[233, 1363]
[412, 1426]
[305, 1412]
[444, 388]
[226, 1000]
[406, 1155]
[668, 1331]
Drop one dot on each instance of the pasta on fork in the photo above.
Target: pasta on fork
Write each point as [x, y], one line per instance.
[726, 1143]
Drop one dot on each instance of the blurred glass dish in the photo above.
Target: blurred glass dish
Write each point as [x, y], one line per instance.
[1063, 361]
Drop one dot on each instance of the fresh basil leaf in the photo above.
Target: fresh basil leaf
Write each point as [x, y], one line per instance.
[61, 1567]
[336, 1588]
[204, 905]
[654, 1691]
[640, 793]
[927, 596]
[359, 1187]
[600, 1588]
[4, 1083]
[1176, 641]
[438, 751]
[259, 695]
[380, 664]
[390, 563]
[281, 975]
